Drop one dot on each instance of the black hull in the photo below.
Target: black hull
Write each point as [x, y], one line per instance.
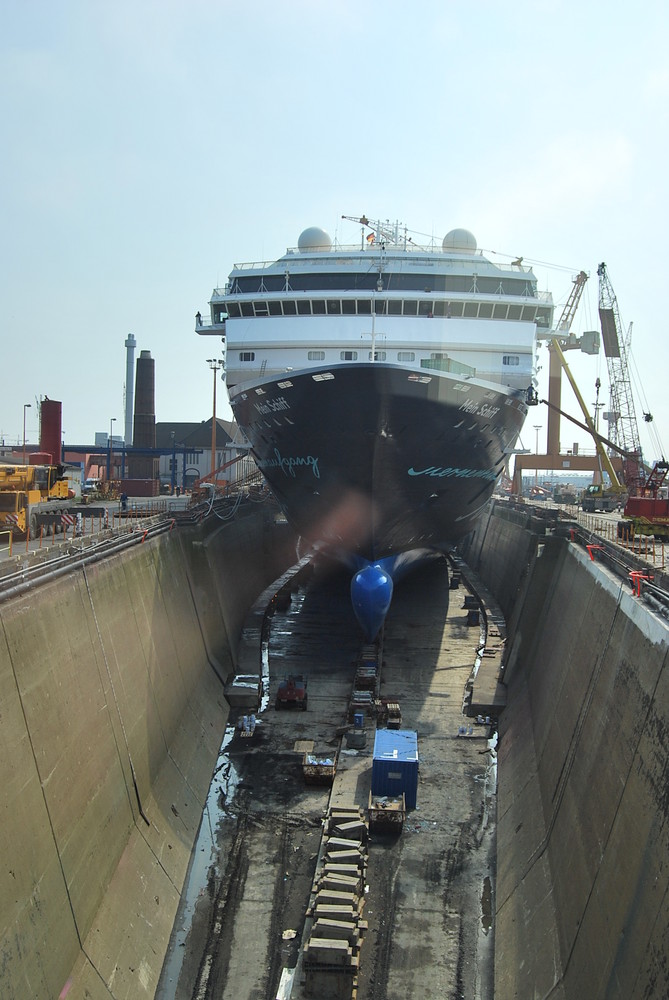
[377, 459]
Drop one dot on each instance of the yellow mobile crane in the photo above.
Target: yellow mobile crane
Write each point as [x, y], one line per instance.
[27, 493]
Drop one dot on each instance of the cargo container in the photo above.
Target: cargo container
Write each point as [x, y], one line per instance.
[395, 764]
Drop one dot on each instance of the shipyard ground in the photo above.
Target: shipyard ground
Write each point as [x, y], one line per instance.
[428, 902]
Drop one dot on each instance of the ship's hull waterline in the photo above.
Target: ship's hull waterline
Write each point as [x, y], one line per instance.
[373, 460]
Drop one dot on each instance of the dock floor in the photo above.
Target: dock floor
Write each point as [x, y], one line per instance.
[429, 893]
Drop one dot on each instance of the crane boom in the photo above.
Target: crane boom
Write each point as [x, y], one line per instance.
[569, 311]
[601, 451]
[623, 427]
[562, 333]
[584, 427]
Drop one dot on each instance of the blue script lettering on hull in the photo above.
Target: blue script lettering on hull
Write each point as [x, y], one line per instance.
[288, 464]
[441, 472]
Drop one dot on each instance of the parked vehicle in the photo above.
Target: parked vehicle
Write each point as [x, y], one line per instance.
[597, 497]
[292, 692]
[32, 497]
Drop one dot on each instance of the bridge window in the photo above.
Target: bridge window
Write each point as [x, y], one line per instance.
[316, 355]
[247, 355]
[510, 359]
[349, 355]
[378, 355]
[406, 356]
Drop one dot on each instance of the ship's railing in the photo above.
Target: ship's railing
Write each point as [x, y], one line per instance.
[205, 323]
[343, 254]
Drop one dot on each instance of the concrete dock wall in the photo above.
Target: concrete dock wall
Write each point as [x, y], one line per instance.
[112, 714]
[582, 900]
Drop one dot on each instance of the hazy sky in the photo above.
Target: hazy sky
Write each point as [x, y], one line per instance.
[148, 146]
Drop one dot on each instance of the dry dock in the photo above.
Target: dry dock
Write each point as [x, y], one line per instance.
[113, 716]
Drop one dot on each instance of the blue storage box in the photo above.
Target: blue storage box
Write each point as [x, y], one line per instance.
[395, 764]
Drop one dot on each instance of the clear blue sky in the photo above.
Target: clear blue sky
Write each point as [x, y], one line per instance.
[148, 146]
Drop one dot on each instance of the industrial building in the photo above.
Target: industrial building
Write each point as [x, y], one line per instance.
[149, 457]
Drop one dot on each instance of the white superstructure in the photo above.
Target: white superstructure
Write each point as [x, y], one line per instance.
[445, 307]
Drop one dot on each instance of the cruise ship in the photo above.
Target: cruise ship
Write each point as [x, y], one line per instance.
[381, 386]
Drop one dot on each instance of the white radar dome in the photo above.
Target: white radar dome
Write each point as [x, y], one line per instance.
[314, 239]
[459, 241]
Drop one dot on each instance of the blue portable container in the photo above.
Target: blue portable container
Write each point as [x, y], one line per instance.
[395, 764]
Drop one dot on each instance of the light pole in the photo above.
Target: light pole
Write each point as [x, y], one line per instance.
[215, 364]
[597, 404]
[537, 428]
[26, 406]
[173, 477]
[112, 420]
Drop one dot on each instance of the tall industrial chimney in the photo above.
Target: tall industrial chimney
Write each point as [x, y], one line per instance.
[50, 436]
[130, 345]
[144, 434]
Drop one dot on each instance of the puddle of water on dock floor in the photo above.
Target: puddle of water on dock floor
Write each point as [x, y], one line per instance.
[205, 854]
[486, 905]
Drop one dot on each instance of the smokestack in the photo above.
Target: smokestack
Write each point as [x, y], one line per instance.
[130, 345]
[50, 436]
[144, 435]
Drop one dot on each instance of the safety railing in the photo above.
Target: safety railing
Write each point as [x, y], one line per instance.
[646, 547]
